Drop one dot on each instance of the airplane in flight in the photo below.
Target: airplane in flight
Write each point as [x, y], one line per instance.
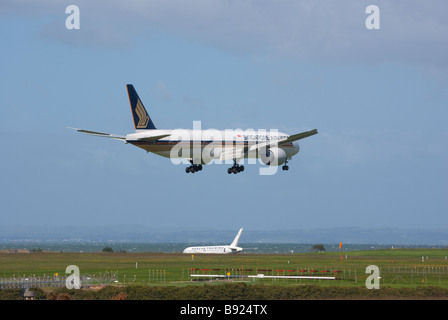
[204, 146]
[232, 248]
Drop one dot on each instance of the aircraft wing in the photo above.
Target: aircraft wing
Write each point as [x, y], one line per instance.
[291, 138]
[100, 134]
[298, 136]
[232, 153]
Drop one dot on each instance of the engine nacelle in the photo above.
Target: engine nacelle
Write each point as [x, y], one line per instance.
[274, 157]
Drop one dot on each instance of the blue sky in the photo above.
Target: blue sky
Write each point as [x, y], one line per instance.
[379, 99]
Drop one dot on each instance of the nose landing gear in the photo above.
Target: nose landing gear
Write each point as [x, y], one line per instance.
[285, 166]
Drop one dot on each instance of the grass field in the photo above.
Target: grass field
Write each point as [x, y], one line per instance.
[398, 267]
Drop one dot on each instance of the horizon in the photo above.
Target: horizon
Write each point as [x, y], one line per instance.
[145, 234]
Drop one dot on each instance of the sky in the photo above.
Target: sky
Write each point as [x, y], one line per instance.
[378, 98]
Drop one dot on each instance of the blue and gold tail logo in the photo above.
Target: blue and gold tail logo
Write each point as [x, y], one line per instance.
[143, 118]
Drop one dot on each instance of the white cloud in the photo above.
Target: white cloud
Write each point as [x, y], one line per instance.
[412, 31]
[161, 90]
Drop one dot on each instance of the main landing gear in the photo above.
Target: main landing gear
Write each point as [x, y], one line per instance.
[193, 168]
[285, 166]
[235, 168]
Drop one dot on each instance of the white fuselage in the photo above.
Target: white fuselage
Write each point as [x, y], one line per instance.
[223, 249]
[206, 144]
[213, 249]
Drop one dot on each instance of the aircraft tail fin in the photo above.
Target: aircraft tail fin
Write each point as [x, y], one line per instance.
[237, 238]
[139, 113]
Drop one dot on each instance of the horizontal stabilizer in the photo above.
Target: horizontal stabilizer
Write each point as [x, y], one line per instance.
[154, 138]
[100, 134]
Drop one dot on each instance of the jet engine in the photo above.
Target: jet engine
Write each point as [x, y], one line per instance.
[274, 157]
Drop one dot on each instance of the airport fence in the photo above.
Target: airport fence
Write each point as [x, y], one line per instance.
[389, 275]
[32, 282]
[54, 281]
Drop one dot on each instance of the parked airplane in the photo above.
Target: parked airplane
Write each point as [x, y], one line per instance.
[232, 248]
[203, 146]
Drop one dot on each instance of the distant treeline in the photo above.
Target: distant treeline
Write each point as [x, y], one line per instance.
[233, 291]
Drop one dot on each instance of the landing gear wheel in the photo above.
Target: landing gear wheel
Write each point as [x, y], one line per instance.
[285, 166]
[235, 168]
[193, 168]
